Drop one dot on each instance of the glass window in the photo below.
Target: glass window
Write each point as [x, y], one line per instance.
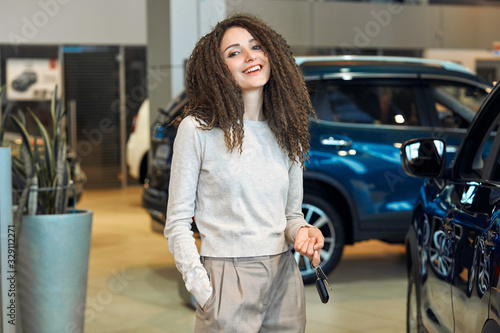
[495, 154]
[365, 103]
[456, 104]
[477, 150]
[496, 170]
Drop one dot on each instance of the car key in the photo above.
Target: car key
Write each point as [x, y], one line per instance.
[322, 284]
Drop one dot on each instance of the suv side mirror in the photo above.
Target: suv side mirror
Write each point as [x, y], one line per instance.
[423, 157]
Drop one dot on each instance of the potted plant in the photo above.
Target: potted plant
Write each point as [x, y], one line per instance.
[53, 242]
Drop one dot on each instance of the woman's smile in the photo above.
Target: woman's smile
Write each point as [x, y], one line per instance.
[253, 70]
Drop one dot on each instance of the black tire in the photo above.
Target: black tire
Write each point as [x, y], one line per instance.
[413, 315]
[323, 215]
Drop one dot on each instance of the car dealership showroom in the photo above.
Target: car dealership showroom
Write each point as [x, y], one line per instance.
[402, 176]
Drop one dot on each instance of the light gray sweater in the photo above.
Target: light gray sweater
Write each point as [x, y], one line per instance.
[244, 205]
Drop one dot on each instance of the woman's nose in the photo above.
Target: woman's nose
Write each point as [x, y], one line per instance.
[250, 56]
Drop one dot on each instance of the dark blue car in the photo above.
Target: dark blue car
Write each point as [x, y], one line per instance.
[453, 244]
[354, 185]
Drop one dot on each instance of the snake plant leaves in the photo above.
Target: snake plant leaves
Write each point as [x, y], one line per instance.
[5, 117]
[47, 144]
[24, 135]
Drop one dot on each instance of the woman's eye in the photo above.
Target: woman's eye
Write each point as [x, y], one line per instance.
[232, 54]
[256, 47]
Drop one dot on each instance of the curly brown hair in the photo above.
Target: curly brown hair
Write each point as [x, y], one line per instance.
[215, 98]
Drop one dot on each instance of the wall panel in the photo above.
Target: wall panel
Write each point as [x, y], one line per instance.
[470, 26]
[318, 24]
[290, 18]
[372, 25]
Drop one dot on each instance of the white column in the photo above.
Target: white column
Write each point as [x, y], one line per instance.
[189, 21]
[174, 27]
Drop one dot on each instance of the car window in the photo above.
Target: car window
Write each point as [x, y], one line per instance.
[494, 155]
[456, 103]
[365, 103]
[479, 148]
[496, 169]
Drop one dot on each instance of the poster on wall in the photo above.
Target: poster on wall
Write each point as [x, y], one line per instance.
[32, 79]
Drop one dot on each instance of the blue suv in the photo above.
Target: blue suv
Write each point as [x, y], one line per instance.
[354, 186]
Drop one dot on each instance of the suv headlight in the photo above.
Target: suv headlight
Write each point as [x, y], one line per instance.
[158, 132]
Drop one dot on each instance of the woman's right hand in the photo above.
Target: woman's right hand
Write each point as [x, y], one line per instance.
[309, 242]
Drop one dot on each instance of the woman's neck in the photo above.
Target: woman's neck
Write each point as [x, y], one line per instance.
[253, 101]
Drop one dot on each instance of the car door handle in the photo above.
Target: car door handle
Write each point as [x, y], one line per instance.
[335, 140]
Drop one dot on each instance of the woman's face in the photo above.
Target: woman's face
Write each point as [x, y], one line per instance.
[245, 59]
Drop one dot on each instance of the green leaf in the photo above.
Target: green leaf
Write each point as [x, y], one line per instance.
[5, 117]
[24, 135]
[47, 143]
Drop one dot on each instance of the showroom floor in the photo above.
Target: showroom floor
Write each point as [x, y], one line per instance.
[132, 286]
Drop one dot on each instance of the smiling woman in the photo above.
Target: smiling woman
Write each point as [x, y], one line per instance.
[237, 169]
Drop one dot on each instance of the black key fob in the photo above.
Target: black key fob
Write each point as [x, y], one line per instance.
[322, 291]
[322, 284]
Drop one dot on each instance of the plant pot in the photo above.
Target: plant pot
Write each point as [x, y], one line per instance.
[53, 261]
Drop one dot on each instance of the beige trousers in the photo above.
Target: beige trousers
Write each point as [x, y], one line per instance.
[256, 294]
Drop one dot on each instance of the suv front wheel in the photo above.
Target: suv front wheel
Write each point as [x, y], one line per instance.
[324, 216]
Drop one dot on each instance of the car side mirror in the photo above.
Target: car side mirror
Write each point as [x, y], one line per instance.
[423, 157]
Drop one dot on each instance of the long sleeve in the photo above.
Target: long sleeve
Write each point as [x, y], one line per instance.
[294, 215]
[185, 169]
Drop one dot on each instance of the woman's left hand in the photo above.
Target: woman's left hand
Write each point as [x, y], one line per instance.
[309, 242]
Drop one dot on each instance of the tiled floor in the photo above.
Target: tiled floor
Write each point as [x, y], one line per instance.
[133, 281]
